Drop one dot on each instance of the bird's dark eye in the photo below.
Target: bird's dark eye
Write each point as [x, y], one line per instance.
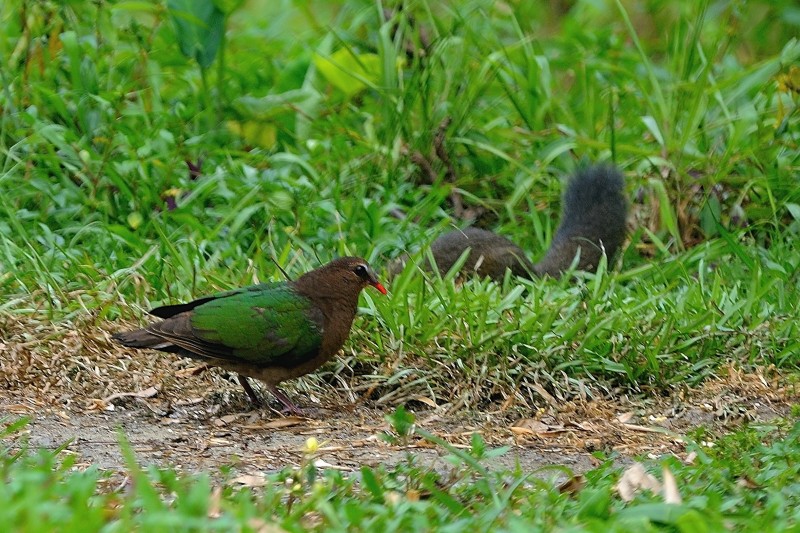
[361, 271]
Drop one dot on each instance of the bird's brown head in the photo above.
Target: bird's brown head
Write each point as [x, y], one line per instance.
[341, 278]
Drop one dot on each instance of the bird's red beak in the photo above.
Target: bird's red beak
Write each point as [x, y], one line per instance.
[380, 287]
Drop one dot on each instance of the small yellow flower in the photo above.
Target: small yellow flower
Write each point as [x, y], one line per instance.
[312, 445]
[135, 219]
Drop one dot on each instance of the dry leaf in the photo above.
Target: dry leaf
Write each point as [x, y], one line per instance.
[644, 429]
[277, 423]
[546, 395]
[747, 483]
[591, 445]
[573, 485]
[96, 404]
[191, 371]
[250, 480]
[392, 497]
[227, 419]
[188, 402]
[18, 408]
[106, 403]
[319, 463]
[529, 426]
[634, 479]
[585, 426]
[216, 441]
[146, 393]
[426, 401]
[429, 420]
[214, 503]
[285, 422]
[625, 417]
[671, 494]
[259, 525]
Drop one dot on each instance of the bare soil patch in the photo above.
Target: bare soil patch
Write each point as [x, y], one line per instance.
[76, 386]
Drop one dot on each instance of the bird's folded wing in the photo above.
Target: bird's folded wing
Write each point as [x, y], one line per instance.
[270, 325]
[169, 311]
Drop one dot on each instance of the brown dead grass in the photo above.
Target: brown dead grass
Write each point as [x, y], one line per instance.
[71, 379]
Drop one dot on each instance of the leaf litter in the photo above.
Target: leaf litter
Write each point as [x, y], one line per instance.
[67, 378]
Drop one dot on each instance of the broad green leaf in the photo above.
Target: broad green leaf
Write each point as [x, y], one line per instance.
[794, 210]
[228, 6]
[710, 216]
[263, 134]
[348, 72]
[652, 127]
[200, 27]
[273, 104]
[371, 482]
[682, 516]
[668, 217]
[136, 6]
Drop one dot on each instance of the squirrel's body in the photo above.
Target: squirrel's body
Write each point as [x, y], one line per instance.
[593, 222]
[490, 254]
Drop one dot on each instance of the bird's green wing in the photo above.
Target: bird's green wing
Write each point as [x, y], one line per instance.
[169, 311]
[262, 325]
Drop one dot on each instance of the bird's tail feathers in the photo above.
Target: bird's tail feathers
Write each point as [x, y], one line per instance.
[141, 338]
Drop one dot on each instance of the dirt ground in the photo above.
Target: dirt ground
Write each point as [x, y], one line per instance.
[79, 388]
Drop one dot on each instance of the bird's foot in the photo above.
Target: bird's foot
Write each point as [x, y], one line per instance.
[289, 406]
[296, 411]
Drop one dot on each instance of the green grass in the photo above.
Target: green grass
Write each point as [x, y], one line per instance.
[649, 329]
[101, 216]
[697, 102]
[747, 482]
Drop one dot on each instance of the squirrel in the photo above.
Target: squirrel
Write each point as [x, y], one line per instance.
[593, 222]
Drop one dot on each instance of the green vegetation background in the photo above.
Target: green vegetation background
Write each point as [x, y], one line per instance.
[307, 120]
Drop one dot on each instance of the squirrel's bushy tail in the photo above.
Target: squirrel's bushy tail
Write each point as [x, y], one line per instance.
[593, 221]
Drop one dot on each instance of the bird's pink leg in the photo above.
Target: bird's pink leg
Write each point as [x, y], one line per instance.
[290, 406]
[248, 389]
